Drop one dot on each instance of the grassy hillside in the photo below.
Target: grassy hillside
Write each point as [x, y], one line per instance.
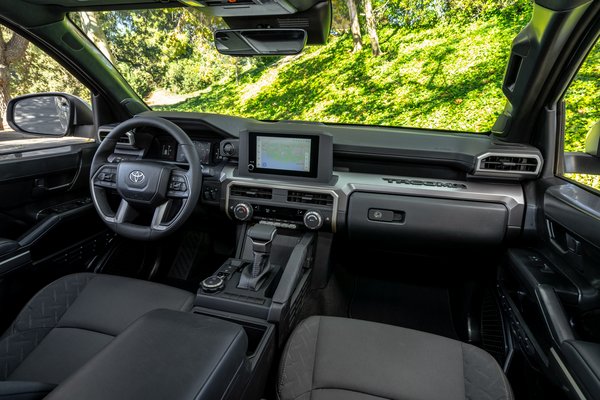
[442, 77]
[445, 77]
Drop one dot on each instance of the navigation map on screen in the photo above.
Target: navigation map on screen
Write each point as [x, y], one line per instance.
[282, 153]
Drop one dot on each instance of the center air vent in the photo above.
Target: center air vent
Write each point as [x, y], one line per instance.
[320, 199]
[251, 192]
[509, 163]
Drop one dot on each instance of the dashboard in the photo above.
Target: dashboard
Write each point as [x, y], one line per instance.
[374, 183]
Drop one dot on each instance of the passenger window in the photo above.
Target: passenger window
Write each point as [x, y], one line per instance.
[26, 69]
[582, 124]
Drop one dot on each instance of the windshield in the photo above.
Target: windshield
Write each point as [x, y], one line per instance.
[435, 64]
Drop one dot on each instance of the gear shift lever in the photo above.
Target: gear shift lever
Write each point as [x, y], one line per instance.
[261, 237]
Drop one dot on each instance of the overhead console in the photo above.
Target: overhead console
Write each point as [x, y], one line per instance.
[313, 16]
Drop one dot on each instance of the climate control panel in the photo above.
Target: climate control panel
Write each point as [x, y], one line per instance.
[282, 207]
[284, 217]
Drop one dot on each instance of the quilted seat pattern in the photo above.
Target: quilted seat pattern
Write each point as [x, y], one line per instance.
[37, 319]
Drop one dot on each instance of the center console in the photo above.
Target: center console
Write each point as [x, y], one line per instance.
[268, 281]
[282, 197]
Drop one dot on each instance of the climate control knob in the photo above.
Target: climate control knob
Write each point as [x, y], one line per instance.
[313, 220]
[242, 211]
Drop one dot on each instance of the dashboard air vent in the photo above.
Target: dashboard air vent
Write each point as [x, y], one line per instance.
[251, 192]
[127, 138]
[507, 163]
[321, 199]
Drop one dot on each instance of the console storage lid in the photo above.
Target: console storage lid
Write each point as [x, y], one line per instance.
[165, 355]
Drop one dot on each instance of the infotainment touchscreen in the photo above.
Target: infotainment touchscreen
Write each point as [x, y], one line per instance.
[295, 155]
[286, 154]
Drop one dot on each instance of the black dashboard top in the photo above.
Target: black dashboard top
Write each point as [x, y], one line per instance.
[457, 151]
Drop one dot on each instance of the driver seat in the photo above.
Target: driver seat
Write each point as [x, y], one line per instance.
[69, 321]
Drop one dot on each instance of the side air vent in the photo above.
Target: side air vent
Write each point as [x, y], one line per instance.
[320, 199]
[127, 138]
[251, 192]
[526, 164]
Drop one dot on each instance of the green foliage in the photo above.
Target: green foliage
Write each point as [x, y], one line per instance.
[582, 102]
[439, 77]
[38, 72]
[167, 48]
[427, 13]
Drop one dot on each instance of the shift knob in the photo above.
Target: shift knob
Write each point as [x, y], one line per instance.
[261, 236]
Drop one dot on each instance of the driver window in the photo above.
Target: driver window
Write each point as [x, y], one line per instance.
[26, 69]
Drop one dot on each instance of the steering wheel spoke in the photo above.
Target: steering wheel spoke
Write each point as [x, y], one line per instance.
[158, 218]
[125, 212]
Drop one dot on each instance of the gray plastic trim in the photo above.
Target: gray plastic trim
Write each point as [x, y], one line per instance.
[286, 186]
[490, 172]
[107, 129]
[567, 374]
[15, 262]
[509, 194]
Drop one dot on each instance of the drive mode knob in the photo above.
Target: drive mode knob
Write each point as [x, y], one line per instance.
[313, 220]
[212, 284]
[243, 211]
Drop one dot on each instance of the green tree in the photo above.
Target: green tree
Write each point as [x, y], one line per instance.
[354, 25]
[372, 28]
[11, 51]
[90, 25]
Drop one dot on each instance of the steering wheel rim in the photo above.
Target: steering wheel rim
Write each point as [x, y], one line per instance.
[145, 183]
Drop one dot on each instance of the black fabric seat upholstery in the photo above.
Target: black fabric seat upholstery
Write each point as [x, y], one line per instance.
[329, 358]
[72, 319]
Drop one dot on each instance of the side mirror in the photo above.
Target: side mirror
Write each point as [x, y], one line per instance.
[588, 162]
[592, 140]
[260, 42]
[53, 114]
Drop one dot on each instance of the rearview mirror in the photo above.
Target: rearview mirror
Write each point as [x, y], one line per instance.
[260, 42]
[47, 113]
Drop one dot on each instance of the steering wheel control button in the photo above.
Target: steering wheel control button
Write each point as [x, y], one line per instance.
[177, 186]
[212, 284]
[242, 211]
[313, 220]
[380, 215]
[107, 177]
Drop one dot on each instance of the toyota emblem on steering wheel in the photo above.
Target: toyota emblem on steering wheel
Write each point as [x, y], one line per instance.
[137, 176]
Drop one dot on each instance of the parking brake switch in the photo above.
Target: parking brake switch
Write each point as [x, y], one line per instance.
[261, 237]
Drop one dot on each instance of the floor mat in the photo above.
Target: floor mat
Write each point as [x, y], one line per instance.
[417, 307]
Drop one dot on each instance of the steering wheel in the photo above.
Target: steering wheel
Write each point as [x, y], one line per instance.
[161, 193]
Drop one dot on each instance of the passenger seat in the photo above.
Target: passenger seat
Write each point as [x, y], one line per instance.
[329, 358]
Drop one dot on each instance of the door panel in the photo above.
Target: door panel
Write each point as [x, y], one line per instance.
[33, 181]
